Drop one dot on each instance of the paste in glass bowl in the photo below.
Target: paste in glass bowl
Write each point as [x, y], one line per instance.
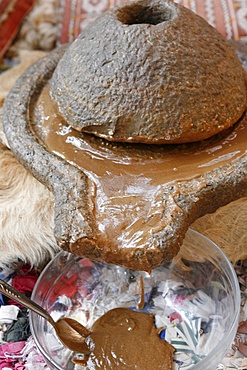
[195, 301]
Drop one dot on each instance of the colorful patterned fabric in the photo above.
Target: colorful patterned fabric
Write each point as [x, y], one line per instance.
[17, 348]
[77, 14]
[12, 13]
[228, 16]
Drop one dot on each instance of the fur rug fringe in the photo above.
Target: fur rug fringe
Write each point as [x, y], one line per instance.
[26, 215]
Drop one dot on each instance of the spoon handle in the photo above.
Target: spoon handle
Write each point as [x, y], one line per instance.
[12, 293]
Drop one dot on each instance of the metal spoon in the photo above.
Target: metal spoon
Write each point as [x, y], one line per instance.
[70, 332]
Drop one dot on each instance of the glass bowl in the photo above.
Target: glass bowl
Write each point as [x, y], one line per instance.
[195, 301]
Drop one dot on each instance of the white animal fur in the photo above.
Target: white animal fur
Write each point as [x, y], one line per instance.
[26, 215]
[26, 206]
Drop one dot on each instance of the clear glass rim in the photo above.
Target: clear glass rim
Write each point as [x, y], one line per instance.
[235, 286]
[33, 316]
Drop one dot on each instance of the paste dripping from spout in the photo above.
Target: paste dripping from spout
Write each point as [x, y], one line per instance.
[128, 184]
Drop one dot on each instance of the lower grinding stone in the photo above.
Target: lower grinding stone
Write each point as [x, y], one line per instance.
[213, 184]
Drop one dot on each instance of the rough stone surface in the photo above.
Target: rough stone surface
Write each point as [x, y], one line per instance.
[69, 185]
[150, 71]
[185, 200]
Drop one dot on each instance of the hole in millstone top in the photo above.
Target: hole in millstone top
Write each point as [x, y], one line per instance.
[143, 14]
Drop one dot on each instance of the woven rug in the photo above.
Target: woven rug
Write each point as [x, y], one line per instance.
[43, 24]
[228, 16]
